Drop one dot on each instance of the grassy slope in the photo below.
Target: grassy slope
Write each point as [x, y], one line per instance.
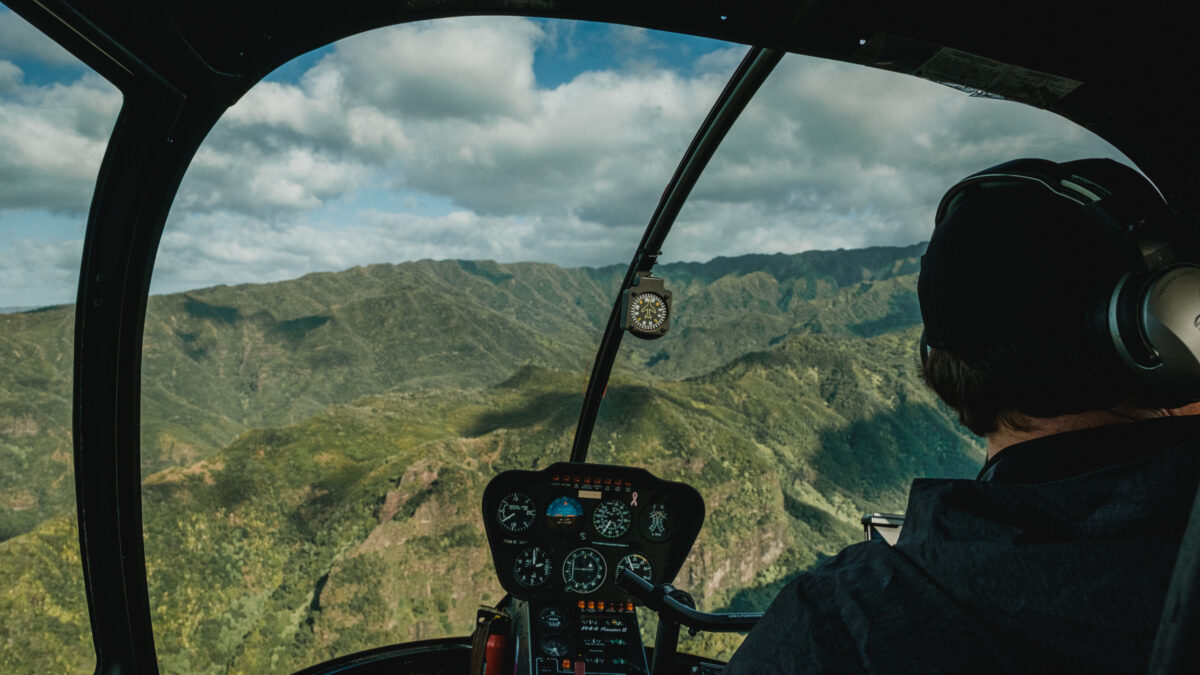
[359, 527]
[222, 360]
[346, 522]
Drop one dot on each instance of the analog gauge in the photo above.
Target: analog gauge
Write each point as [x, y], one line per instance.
[657, 522]
[611, 518]
[532, 567]
[583, 570]
[639, 565]
[562, 515]
[516, 512]
[647, 311]
[553, 617]
[552, 645]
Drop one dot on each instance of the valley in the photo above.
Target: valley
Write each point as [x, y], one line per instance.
[314, 450]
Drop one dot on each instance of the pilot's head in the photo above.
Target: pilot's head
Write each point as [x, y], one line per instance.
[1016, 285]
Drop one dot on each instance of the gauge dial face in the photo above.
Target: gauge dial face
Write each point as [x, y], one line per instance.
[647, 311]
[563, 514]
[516, 512]
[532, 567]
[553, 617]
[639, 565]
[583, 570]
[657, 522]
[552, 645]
[611, 518]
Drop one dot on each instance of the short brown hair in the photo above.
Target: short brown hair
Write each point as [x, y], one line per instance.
[998, 385]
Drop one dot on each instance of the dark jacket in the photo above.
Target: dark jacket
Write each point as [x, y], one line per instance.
[1056, 559]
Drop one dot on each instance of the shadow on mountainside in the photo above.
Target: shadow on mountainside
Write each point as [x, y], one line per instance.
[876, 459]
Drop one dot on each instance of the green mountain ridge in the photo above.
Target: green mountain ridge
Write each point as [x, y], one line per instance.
[315, 450]
[221, 360]
[359, 526]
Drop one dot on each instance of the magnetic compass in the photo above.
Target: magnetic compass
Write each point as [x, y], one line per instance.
[647, 311]
[647, 308]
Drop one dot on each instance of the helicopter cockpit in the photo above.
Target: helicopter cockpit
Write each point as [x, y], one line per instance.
[496, 336]
[559, 541]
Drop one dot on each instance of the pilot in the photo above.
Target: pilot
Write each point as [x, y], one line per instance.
[1042, 292]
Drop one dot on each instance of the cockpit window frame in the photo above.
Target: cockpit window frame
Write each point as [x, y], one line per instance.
[179, 68]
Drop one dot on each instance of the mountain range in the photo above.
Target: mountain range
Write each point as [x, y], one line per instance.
[314, 450]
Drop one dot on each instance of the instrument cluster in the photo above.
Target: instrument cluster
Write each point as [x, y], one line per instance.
[565, 530]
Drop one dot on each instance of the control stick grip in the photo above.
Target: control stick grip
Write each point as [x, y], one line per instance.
[657, 597]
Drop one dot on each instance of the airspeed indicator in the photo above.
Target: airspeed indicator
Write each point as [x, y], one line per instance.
[516, 512]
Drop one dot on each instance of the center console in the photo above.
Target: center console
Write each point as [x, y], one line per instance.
[558, 537]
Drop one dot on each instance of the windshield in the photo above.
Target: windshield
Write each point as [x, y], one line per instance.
[55, 118]
[417, 263]
[787, 389]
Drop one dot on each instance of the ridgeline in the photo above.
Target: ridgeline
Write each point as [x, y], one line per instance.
[314, 450]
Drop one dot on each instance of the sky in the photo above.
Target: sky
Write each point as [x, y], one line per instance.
[504, 139]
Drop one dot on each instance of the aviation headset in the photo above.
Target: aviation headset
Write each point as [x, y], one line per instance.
[1151, 316]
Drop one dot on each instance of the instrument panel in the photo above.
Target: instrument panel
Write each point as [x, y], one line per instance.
[565, 530]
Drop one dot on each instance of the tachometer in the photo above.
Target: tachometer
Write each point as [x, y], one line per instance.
[516, 512]
[611, 518]
[583, 570]
[639, 565]
[532, 567]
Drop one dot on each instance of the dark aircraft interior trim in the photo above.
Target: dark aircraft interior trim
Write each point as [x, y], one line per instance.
[180, 64]
[741, 87]
[446, 655]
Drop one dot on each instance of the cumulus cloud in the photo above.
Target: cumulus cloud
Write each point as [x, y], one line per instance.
[36, 273]
[833, 155]
[204, 249]
[452, 109]
[19, 39]
[450, 112]
[53, 139]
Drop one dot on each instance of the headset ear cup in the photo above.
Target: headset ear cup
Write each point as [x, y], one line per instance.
[1124, 321]
[1154, 321]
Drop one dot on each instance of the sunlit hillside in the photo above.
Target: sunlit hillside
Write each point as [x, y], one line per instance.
[315, 450]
